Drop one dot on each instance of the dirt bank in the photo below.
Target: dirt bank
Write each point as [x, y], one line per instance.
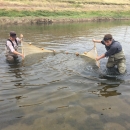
[36, 11]
[36, 20]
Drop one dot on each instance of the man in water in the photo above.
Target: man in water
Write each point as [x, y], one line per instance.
[12, 47]
[114, 52]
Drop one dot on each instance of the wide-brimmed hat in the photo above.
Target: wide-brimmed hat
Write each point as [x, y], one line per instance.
[12, 34]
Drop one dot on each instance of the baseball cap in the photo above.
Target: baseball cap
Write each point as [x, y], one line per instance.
[12, 34]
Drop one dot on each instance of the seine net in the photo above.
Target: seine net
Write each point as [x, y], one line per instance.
[33, 54]
[93, 54]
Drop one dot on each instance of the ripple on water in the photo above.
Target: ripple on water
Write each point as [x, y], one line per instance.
[65, 90]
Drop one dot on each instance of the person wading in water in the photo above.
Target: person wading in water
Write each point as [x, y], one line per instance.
[12, 47]
[114, 52]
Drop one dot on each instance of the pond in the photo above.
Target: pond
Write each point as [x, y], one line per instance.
[65, 91]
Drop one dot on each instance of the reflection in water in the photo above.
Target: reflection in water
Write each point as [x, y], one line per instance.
[107, 90]
[67, 91]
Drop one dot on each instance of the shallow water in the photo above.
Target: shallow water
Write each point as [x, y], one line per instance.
[64, 91]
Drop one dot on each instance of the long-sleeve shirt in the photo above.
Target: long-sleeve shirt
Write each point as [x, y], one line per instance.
[9, 48]
[9, 44]
[114, 48]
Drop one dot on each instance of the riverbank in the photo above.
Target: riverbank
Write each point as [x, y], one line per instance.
[37, 20]
[34, 11]
[39, 17]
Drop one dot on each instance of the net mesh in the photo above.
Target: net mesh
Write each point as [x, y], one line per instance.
[33, 54]
[93, 54]
[28, 49]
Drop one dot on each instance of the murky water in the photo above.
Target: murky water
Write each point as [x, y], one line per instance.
[63, 91]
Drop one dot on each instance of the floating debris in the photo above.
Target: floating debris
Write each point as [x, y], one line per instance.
[77, 54]
[28, 105]
[62, 88]
[62, 107]
[54, 52]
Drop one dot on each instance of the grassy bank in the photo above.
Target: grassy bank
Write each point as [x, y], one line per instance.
[65, 14]
[34, 11]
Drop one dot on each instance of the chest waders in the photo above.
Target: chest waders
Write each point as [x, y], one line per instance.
[119, 60]
[10, 57]
[8, 51]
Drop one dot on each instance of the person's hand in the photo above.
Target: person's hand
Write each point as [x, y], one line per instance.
[85, 53]
[22, 56]
[97, 58]
[21, 35]
[94, 40]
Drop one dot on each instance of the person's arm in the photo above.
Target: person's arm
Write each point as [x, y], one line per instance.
[97, 41]
[17, 53]
[13, 50]
[20, 39]
[110, 52]
[100, 57]
[10, 46]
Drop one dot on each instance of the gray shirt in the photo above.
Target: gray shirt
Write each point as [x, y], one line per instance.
[114, 48]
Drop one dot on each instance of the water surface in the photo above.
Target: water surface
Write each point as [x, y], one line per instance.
[64, 91]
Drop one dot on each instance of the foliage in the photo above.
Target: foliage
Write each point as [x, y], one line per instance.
[64, 14]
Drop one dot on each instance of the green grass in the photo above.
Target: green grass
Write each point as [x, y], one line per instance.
[65, 14]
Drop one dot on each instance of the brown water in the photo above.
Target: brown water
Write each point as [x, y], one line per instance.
[63, 91]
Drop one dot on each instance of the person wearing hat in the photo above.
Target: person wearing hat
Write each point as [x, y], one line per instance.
[114, 52]
[12, 47]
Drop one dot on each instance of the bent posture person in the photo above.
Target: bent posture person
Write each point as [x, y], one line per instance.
[114, 52]
[12, 47]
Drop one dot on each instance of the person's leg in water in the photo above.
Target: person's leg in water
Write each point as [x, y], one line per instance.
[11, 59]
[121, 65]
[110, 66]
[110, 62]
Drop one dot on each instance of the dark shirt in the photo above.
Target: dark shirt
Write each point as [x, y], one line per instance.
[114, 48]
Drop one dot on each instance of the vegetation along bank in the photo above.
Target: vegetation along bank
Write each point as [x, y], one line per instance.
[52, 11]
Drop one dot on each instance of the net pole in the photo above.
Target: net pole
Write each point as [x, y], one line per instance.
[97, 62]
[22, 48]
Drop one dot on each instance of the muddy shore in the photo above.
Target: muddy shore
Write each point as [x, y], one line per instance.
[37, 20]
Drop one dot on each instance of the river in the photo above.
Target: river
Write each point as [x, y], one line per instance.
[65, 91]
